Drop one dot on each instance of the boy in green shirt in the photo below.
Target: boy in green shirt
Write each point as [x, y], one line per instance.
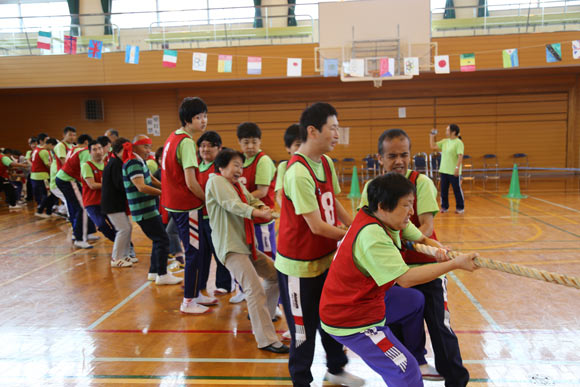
[292, 143]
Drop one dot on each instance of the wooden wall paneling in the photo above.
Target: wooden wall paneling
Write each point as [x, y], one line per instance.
[544, 147]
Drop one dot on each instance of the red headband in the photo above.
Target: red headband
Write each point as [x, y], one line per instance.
[128, 148]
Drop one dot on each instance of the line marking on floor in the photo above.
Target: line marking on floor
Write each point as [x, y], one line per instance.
[192, 331]
[118, 306]
[532, 217]
[555, 204]
[476, 303]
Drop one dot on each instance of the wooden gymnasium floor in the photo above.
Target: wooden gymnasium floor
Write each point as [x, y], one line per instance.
[69, 319]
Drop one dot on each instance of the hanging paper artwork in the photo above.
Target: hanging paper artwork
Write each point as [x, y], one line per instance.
[442, 64]
[44, 40]
[467, 62]
[331, 67]
[254, 65]
[553, 53]
[169, 58]
[510, 58]
[225, 64]
[576, 49]
[357, 67]
[294, 67]
[95, 49]
[132, 54]
[411, 66]
[387, 67]
[199, 61]
[70, 45]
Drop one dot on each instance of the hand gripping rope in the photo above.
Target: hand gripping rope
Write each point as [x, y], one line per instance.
[511, 268]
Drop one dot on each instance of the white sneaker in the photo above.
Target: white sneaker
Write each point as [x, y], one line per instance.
[43, 215]
[174, 268]
[430, 373]
[93, 237]
[15, 207]
[344, 379]
[193, 308]
[83, 245]
[167, 279]
[205, 300]
[133, 259]
[125, 262]
[219, 292]
[151, 276]
[238, 297]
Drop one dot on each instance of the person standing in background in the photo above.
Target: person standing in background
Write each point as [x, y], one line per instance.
[452, 151]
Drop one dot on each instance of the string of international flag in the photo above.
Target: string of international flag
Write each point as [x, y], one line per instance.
[355, 67]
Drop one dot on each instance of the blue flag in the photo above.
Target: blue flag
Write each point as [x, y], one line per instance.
[132, 54]
[95, 49]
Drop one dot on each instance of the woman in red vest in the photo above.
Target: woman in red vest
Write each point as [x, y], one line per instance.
[368, 263]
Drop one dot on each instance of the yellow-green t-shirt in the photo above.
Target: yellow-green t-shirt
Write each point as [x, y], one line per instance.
[152, 165]
[300, 188]
[265, 169]
[280, 175]
[44, 155]
[426, 195]
[377, 255]
[450, 151]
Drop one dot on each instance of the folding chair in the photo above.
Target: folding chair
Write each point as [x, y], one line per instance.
[490, 169]
[420, 163]
[467, 170]
[521, 159]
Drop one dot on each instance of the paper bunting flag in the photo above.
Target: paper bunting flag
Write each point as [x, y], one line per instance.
[44, 39]
[294, 67]
[467, 62]
[576, 49]
[387, 67]
[70, 45]
[254, 65]
[346, 68]
[357, 67]
[199, 61]
[331, 67]
[510, 58]
[169, 58]
[225, 64]
[442, 64]
[553, 53]
[95, 49]
[411, 66]
[132, 54]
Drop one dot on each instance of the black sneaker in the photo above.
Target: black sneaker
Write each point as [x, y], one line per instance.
[281, 349]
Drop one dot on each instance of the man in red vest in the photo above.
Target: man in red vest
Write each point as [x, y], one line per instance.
[183, 197]
[394, 147]
[308, 236]
[92, 177]
[368, 263]
[40, 174]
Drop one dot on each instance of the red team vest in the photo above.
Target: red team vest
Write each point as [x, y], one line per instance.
[202, 178]
[3, 168]
[92, 197]
[69, 151]
[37, 163]
[295, 240]
[72, 165]
[175, 195]
[349, 298]
[410, 256]
[249, 175]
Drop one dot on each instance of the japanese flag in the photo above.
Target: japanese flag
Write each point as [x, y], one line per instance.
[442, 64]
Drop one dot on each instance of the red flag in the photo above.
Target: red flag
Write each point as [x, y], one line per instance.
[70, 45]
